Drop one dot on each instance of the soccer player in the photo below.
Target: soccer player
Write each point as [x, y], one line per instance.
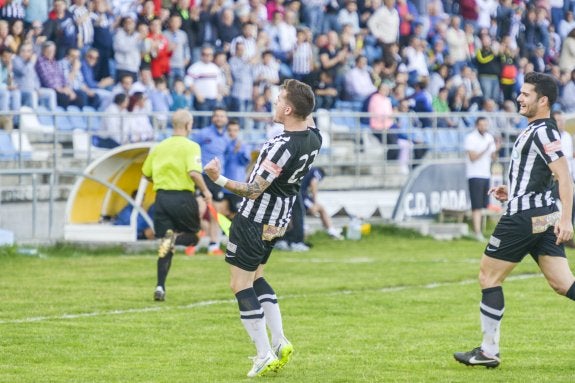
[532, 222]
[175, 168]
[269, 195]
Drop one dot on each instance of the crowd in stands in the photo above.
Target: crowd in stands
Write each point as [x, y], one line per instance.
[161, 55]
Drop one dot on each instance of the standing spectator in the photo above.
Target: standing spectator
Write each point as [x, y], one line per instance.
[237, 160]
[333, 57]
[469, 11]
[176, 216]
[27, 80]
[422, 102]
[269, 195]
[36, 10]
[567, 58]
[266, 73]
[248, 37]
[242, 81]
[147, 13]
[457, 45]
[480, 150]
[12, 10]
[358, 84]
[36, 37]
[224, 77]
[503, 17]
[103, 22]
[488, 63]
[312, 14]
[384, 23]
[566, 25]
[127, 49]
[407, 18]
[161, 50]
[348, 16]
[282, 37]
[61, 29]
[81, 16]
[568, 96]
[416, 59]
[214, 142]
[203, 78]
[508, 78]
[227, 28]
[181, 55]
[486, 10]
[302, 56]
[189, 26]
[51, 76]
[10, 96]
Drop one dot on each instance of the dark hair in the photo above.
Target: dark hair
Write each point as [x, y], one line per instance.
[545, 86]
[233, 121]
[300, 96]
[134, 99]
[479, 119]
[120, 98]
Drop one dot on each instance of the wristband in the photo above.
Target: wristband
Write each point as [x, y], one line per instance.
[221, 181]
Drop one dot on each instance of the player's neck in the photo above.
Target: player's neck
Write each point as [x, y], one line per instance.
[294, 125]
[539, 116]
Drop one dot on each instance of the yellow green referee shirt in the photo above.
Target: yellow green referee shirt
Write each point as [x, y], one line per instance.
[170, 162]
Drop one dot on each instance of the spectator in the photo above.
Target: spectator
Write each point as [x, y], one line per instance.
[566, 25]
[380, 110]
[457, 45]
[10, 96]
[81, 16]
[348, 16]
[384, 23]
[147, 13]
[35, 10]
[266, 73]
[6, 39]
[567, 58]
[312, 13]
[203, 78]
[113, 130]
[27, 80]
[161, 50]
[243, 82]
[568, 96]
[160, 101]
[309, 194]
[415, 57]
[537, 58]
[422, 102]
[61, 29]
[237, 160]
[214, 142]
[224, 77]
[480, 150]
[207, 19]
[18, 34]
[188, 18]
[103, 22]
[358, 85]
[407, 19]
[508, 77]
[441, 105]
[282, 37]
[70, 66]
[227, 28]
[127, 49]
[486, 9]
[101, 87]
[488, 64]
[12, 10]
[504, 16]
[138, 124]
[248, 37]
[180, 98]
[36, 37]
[51, 76]
[333, 57]
[325, 91]
[302, 56]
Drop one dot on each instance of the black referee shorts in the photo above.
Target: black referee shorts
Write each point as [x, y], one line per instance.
[478, 189]
[216, 190]
[527, 232]
[176, 210]
[246, 249]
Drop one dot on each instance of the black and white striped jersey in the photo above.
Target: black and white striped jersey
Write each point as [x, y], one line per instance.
[284, 160]
[530, 180]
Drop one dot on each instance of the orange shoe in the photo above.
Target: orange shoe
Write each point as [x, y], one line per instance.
[216, 252]
[190, 251]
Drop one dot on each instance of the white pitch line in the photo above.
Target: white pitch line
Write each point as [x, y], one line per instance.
[390, 289]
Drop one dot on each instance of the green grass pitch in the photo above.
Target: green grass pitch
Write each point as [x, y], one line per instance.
[392, 307]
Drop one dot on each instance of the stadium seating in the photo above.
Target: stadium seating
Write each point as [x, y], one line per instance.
[30, 122]
[22, 145]
[76, 118]
[93, 121]
[7, 149]
[62, 121]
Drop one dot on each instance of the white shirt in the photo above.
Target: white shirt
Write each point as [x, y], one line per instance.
[567, 149]
[205, 77]
[475, 142]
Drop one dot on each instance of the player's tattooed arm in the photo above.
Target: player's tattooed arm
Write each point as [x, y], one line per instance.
[250, 190]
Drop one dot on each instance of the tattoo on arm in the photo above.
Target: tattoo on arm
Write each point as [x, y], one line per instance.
[249, 190]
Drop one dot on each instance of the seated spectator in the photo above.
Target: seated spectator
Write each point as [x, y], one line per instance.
[180, 98]
[70, 65]
[18, 33]
[138, 124]
[441, 105]
[309, 192]
[113, 129]
[144, 231]
[358, 83]
[160, 100]
[10, 96]
[51, 76]
[102, 87]
[380, 109]
[325, 91]
[28, 82]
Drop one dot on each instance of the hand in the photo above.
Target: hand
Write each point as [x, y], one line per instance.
[207, 196]
[213, 168]
[563, 230]
[499, 192]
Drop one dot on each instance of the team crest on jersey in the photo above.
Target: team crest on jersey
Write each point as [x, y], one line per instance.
[552, 147]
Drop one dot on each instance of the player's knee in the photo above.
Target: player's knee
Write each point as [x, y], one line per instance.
[487, 280]
[559, 288]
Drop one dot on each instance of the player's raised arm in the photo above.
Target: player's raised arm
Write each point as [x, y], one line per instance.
[251, 190]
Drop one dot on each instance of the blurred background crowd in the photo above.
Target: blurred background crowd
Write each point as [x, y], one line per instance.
[371, 55]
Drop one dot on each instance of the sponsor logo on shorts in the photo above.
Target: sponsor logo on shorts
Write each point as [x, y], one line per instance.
[232, 247]
[494, 241]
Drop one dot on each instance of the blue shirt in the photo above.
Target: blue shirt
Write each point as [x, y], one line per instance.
[213, 144]
[236, 162]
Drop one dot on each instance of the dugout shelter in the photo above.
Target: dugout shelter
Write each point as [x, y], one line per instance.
[103, 189]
